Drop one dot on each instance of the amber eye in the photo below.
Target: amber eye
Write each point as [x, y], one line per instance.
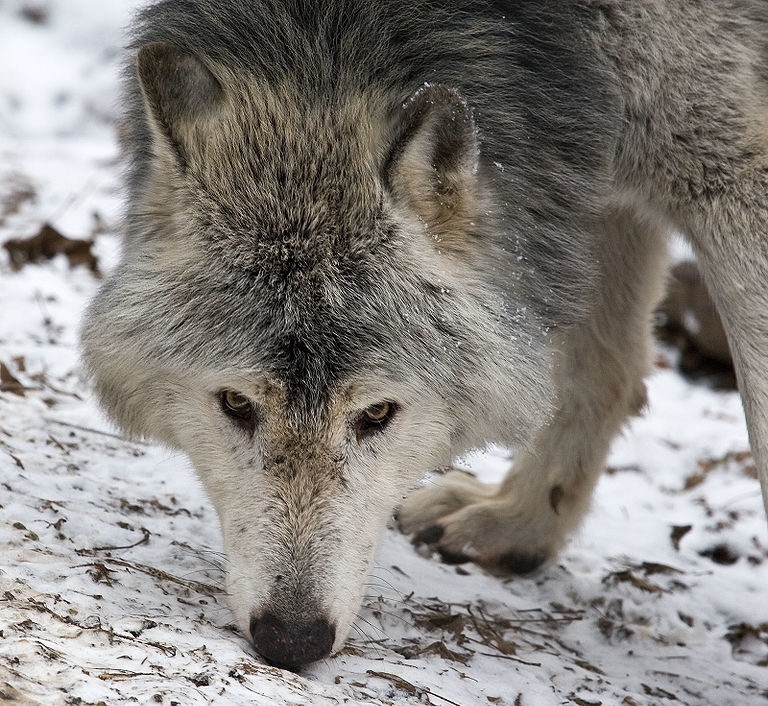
[238, 408]
[375, 419]
[378, 412]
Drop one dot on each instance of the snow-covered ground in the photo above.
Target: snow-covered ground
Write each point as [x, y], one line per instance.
[110, 555]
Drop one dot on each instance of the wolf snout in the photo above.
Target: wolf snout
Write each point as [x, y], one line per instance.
[291, 645]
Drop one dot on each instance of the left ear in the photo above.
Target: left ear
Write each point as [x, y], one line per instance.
[433, 160]
[182, 96]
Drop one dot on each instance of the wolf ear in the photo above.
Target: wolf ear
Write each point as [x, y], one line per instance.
[182, 96]
[433, 162]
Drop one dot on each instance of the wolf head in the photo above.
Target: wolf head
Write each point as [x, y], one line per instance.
[314, 303]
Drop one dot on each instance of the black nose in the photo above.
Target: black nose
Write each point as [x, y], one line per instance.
[291, 646]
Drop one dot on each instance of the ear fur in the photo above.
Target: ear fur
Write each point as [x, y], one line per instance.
[182, 96]
[433, 162]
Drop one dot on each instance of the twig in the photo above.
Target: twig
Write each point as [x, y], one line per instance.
[409, 688]
[144, 540]
[509, 657]
[97, 431]
[442, 698]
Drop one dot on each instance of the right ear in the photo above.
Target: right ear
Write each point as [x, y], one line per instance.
[433, 162]
[182, 96]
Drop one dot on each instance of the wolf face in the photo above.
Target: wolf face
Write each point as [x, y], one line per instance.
[296, 310]
[303, 498]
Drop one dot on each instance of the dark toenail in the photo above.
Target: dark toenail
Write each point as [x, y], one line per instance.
[450, 557]
[521, 563]
[429, 535]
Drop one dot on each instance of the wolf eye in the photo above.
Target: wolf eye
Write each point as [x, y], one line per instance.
[238, 408]
[374, 419]
[377, 413]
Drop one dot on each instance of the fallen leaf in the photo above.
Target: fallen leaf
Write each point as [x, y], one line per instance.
[678, 532]
[8, 383]
[46, 245]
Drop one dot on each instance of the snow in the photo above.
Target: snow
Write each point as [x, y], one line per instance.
[111, 586]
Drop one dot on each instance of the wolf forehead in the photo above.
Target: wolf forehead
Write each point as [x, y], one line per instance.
[308, 297]
[311, 272]
[291, 196]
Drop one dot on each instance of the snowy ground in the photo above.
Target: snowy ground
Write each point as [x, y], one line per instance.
[110, 563]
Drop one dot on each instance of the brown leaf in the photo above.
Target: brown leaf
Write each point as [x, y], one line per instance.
[8, 383]
[693, 480]
[46, 245]
[397, 681]
[438, 648]
[654, 567]
[678, 532]
[627, 576]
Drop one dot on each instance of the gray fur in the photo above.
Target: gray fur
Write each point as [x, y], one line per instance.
[455, 208]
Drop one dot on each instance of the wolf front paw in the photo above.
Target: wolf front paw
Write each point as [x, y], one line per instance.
[453, 491]
[464, 520]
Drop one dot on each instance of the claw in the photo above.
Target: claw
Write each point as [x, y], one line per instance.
[450, 557]
[429, 535]
[515, 563]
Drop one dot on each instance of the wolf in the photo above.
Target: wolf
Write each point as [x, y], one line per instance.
[364, 237]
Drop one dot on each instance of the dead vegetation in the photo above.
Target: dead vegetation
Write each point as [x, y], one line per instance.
[46, 244]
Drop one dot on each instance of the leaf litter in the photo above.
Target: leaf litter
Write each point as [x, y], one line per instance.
[47, 244]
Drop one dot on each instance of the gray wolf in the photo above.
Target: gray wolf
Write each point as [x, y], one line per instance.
[364, 237]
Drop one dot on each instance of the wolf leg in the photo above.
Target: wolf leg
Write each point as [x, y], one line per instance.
[599, 369]
[730, 237]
